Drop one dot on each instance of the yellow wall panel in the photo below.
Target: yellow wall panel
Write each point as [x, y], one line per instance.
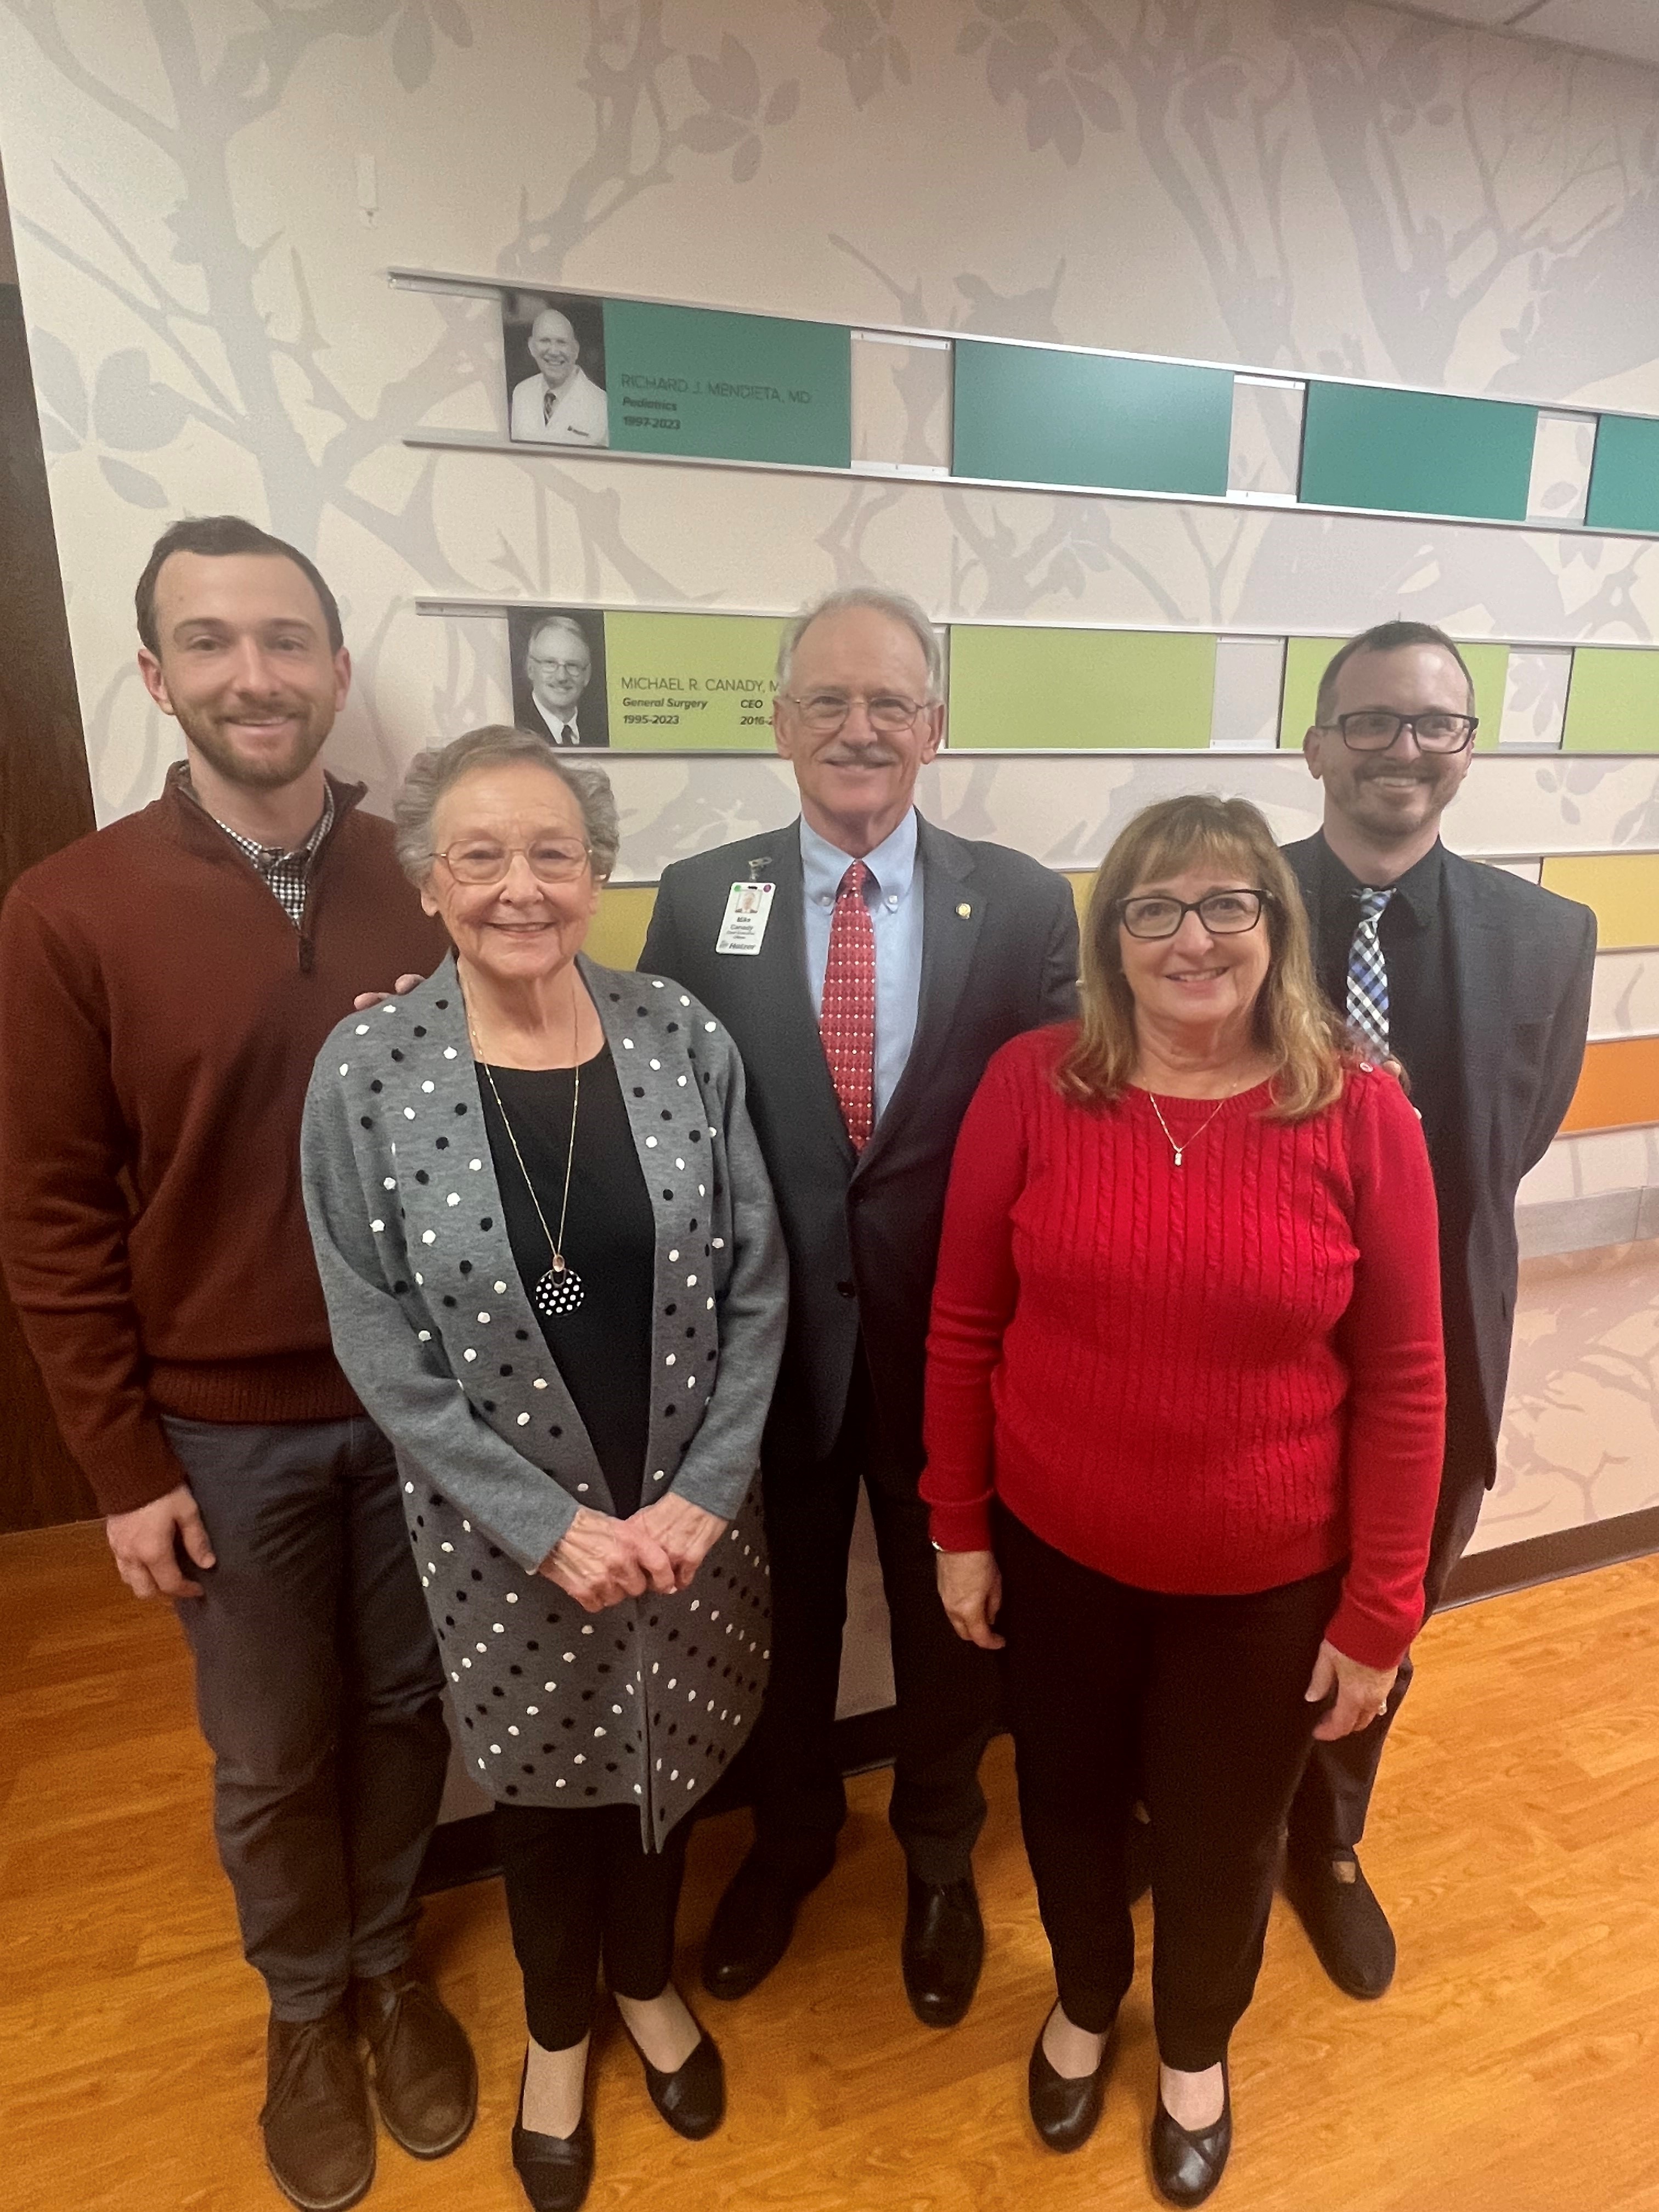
[619, 927]
[1622, 887]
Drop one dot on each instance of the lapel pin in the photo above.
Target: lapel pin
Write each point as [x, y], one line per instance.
[965, 910]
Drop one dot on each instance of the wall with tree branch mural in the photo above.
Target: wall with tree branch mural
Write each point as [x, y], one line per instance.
[207, 194]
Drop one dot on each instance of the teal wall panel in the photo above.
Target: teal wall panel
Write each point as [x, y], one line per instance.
[1624, 486]
[1037, 415]
[1417, 453]
[735, 387]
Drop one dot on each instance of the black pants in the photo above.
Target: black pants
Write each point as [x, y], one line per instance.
[580, 1885]
[947, 1693]
[1200, 1701]
[1329, 1812]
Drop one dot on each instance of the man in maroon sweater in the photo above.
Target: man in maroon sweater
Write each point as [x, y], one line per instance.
[165, 986]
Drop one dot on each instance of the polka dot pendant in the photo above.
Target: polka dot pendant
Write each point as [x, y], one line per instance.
[559, 1291]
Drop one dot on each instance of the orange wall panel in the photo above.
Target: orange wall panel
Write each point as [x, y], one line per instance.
[1618, 1088]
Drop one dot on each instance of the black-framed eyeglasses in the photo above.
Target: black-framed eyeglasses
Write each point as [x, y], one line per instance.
[888, 713]
[482, 860]
[1373, 730]
[1223, 914]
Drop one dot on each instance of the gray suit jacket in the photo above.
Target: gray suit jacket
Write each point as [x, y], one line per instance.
[644, 1703]
[999, 943]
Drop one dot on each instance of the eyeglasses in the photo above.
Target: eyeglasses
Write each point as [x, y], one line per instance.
[550, 860]
[1223, 914]
[888, 712]
[1371, 729]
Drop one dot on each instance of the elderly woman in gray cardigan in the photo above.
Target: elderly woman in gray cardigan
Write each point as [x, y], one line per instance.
[558, 1282]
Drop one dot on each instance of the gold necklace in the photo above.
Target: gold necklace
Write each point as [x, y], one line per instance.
[1178, 1149]
[560, 1290]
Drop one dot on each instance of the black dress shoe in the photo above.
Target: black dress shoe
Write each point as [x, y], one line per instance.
[752, 1925]
[1189, 2162]
[556, 2170]
[1346, 1926]
[1064, 2107]
[692, 2098]
[942, 1951]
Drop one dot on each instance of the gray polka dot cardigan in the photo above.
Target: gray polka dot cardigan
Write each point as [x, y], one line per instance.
[645, 1702]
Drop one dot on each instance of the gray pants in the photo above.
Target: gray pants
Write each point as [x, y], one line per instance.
[321, 1694]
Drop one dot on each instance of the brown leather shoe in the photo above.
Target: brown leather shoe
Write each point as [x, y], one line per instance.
[426, 2079]
[317, 2124]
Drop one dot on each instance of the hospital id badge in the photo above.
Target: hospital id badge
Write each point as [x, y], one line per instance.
[743, 927]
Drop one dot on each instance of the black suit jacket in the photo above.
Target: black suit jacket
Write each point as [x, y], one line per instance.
[999, 949]
[1522, 960]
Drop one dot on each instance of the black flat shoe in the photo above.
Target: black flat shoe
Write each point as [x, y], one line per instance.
[692, 2098]
[752, 1925]
[1346, 1926]
[1187, 2163]
[556, 2170]
[1065, 2108]
[943, 1950]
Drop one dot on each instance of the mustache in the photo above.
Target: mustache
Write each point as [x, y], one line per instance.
[861, 757]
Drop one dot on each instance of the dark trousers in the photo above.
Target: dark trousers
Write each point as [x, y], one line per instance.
[1197, 1703]
[582, 1886]
[321, 1694]
[946, 1691]
[1329, 1812]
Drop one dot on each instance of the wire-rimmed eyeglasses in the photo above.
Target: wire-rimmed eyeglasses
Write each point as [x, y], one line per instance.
[888, 713]
[482, 860]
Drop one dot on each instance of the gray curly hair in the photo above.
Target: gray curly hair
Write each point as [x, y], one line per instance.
[431, 774]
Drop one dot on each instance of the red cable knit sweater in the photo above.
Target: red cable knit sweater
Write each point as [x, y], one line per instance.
[1210, 1379]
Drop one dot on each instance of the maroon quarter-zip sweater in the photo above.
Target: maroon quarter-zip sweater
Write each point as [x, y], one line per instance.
[158, 1017]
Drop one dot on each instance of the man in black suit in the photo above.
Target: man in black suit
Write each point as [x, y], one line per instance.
[868, 965]
[1478, 985]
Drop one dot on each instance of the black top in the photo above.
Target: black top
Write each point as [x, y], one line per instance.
[602, 1350]
[1424, 1036]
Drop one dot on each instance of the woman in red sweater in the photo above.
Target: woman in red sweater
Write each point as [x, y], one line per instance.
[1185, 1403]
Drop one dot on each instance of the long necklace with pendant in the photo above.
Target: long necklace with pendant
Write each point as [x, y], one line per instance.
[560, 1290]
[1178, 1149]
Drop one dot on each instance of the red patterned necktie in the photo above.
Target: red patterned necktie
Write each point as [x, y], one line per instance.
[847, 1022]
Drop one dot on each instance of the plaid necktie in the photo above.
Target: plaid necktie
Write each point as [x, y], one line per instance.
[847, 1022]
[1367, 977]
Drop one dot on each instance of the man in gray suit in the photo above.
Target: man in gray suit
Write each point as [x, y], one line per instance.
[867, 964]
[1478, 985]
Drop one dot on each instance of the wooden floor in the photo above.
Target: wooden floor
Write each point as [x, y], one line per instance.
[1513, 2068]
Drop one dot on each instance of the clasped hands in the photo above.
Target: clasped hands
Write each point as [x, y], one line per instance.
[600, 1561]
[970, 1589]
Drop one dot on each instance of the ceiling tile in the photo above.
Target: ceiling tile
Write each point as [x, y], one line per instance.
[1493, 14]
[1626, 27]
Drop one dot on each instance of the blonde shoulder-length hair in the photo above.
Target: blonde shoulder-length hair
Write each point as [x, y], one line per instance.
[1294, 1027]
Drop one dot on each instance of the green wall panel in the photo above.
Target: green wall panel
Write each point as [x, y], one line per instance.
[736, 387]
[1037, 415]
[1624, 485]
[1091, 690]
[1613, 702]
[1416, 453]
[690, 683]
[1306, 660]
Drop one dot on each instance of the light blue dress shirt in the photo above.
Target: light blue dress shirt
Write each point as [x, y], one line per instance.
[893, 894]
